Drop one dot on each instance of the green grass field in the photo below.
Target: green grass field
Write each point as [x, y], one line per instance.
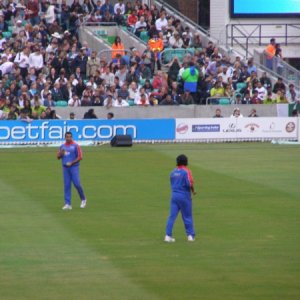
[246, 212]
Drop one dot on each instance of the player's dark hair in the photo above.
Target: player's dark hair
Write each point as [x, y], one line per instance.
[182, 160]
[68, 132]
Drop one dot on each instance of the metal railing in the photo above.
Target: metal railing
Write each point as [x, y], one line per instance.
[236, 34]
[278, 68]
[107, 54]
[205, 34]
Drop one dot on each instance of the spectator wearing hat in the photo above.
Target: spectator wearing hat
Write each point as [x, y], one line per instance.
[55, 29]
[18, 27]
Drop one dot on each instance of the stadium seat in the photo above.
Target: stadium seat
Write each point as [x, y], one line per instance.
[7, 34]
[61, 103]
[144, 36]
[240, 86]
[130, 102]
[224, 101]
[142, 81]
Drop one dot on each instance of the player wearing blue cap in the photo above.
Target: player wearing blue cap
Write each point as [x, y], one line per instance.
[71, 155]
[182, 185]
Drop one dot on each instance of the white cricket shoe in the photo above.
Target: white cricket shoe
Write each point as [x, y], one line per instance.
[191, 238]
[169, 239]
[83, 204]
[67, 207]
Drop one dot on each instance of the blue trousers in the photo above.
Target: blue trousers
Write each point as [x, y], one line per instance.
[71, 174]
[182, 203]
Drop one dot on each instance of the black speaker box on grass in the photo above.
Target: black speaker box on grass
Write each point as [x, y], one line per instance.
[121, 141]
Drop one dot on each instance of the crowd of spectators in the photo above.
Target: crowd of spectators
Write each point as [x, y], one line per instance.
[43, 64]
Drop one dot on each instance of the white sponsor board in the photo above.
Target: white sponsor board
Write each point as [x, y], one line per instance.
[237, 128]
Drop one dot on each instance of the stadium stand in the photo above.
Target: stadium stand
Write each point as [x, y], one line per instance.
[47, 60]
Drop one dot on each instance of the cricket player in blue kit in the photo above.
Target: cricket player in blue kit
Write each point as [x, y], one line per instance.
[182, 186]
[71, 155]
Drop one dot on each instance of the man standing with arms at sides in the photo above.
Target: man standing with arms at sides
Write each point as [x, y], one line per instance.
[182, 186]
[270, 51]
[71, 155]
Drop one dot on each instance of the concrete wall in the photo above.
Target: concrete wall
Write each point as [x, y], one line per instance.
[161, 112]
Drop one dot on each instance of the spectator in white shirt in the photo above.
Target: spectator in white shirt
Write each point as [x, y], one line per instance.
[6, 66]
[50, 13]
[36, 60]
[120, 6]
[120, 102]
[262, 92]
[161, 22]
[18, 27]
[74, 101]
[142, 100]
[175, 40]
[133, 90]
[22, 60]
[224, 75]
[140, 26]
[108, 101]
[108, 77]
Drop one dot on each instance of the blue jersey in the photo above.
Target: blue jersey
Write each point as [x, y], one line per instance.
[72, 152]
[181, 180]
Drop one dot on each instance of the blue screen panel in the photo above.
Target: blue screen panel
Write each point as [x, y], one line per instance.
[264, 8]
